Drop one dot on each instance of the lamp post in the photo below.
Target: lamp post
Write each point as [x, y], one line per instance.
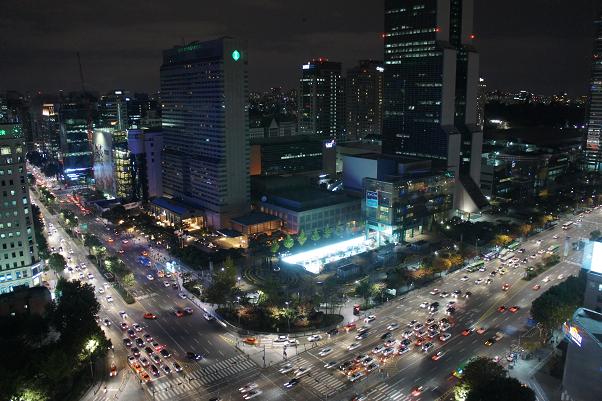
[288, 316]
[238, 300]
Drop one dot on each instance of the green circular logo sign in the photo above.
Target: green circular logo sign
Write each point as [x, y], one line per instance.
[235, 55]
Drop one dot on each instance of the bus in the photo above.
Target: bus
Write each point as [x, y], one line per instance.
[490, 255]
[567, 225]
[473, 267]
[514, 246]
[553, 248]
[507, 257]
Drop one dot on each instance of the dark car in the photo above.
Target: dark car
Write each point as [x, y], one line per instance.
[434, 306]
[136, 352]
[139, 342]
[154, 370]
[194, 356]
[148, 350]
[386, 335]
[131, 333]
[127, 342]
[292, 382]
[165, 353]
[333, 332]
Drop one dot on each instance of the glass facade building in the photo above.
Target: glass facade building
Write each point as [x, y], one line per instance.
[76, 121]
[593, 151]
[364, 99]
[204, 97]
[400, 207]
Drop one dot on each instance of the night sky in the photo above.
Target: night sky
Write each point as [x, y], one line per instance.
[543, 46]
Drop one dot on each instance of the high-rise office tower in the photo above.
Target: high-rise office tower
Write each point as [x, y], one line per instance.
[113, 110]
[364, 99]
[19, 261]
[204, 97]
[321, 99]
[76, 119]
[593, 151]
[481, 102]
[431, 81]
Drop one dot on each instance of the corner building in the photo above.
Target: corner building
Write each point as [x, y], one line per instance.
[430, 89]
[204, 96]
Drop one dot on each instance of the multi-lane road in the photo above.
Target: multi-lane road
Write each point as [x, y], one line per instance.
[225, 369]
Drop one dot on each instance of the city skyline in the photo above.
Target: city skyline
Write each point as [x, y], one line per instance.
[515, 47]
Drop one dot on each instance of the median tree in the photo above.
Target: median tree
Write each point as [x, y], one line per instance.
[315, 235]
[57, 262]
[301, 238]
[288, 242]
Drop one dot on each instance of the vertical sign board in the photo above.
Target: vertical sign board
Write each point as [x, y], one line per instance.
[372, 199]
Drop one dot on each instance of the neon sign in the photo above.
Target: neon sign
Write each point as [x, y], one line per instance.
[235, 55]
[575, 336]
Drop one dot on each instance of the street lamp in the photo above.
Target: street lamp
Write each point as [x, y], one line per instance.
[288, 316]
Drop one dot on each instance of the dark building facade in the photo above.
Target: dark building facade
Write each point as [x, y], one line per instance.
[593, 152]
[430, 89]
[283, 155]
[321, 99]
[364, 99]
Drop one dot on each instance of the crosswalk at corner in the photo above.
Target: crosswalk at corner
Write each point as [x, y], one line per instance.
[321, 380]
[176, 386]
[384, 392]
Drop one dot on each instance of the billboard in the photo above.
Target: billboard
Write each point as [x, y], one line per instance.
[372, 199]
[103, 164]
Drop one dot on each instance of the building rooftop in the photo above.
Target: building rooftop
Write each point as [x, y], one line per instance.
[590, 321]
[254, 218]
[306, 198]
[542, 136]
[178, 207]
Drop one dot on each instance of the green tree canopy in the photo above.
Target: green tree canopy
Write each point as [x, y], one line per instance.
[315, 235]
[288, 242]
[68, 217]
[92, 241]
[57, 262]
[301, 238]
[275, 247]
[362, 289]
[501, 389]
[327, 232]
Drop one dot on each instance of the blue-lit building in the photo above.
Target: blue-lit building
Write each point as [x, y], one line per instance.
[76, 125]
[204, 97]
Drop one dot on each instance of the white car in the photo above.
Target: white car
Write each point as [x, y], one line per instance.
[109, 298]
[424, 305]
[301, 371]
[182, 295]
[325, 351]
[166, 283]
[150, 277]
[252, 394]
[555, 236]
[353, 346]
[356, 376]
[464, 278]
[314, 338]
[101, 290]
[208, 316]
[330, 365]
[393, 326]
[286, 368]
[378, 349]
[560, 276]
[370, 318]
[434, 291]
[478, 281]
[90, 276]
[388, 351]
[248, 387]
[281, 339]
[444, 336]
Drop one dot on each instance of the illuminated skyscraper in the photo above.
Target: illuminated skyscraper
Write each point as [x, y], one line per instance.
[431, 82]
[364, 99]
[321, 99]
[204, 97]
[593, 151]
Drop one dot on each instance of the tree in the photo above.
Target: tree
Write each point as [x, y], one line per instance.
[501, 389]
[594, 235]
[339, 231]
[502, 240]
[441, 265]
[481, 370]
[525, 229]
[362, 289]
[288, 242]
[301, 237]
[327, 232]
[398, 277]
[57, 262]
[275, 247]
[315, 235]
[128, 280]
[68, 217]
[92, 241]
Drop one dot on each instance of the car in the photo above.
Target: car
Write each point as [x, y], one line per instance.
[521, 250]
[286, 368]
[137, 327]
[353, 346]
[363, 329]
[435, 291]
[131, 360]
[193, 356]
[370, 318]
[250, 340]
[165, 353]
[325, 351]
[166, 283]
[155, 371]
[444, 336]
[359, 397]
[292, 382]
[514, 309]
[418, 326]
[464, 278]
[123, 326]
[148, 350]
[493, 273]
[560, 276]
[450, 311]
[101, 290]
[533, 256]
[546, 279]
[109, 298]
[150, 316]
[127, 342]
[302, 371]
[402, 350]
[293, 341]
[426, 347]
[350, 326]
[482, 269]
[481, 330]
[177, 367]
[478, 281]
[490, 341]
[407, 334]
[139, 342]
[252, 394]
[148, 338]
[444, 294]
[330, 365]
[131, 333]
[182, 295]
[179, 313]
[378, 349]
[416, 391]
[90, 276]
[424, 305]
[166, 369]
[158, 347]
[155, 358]
[106, 322]
[333, 332]
[208, 316]
[150, 277]
[555, 236]
[536, 287]
[505, 287]
[314, 338]
[386, 335]
[144, 377]
[356, 376]
[488, 281]
[390, 342]
[281, 339]
[437, 355]
[467, 294]
[188, 310]
[135, 352]
[372, 367]
[501, 309]
[144, 361]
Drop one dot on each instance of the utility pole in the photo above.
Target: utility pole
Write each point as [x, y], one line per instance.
[264, 355]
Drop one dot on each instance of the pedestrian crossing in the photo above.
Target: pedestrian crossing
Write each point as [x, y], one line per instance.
[174, 386]
[323, 381]
[383, 392]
